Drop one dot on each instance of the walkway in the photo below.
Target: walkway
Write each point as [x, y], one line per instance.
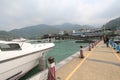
[101, 63]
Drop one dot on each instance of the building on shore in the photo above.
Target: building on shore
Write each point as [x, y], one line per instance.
[90, 32]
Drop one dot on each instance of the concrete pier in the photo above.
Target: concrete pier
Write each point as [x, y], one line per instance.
[101, 63]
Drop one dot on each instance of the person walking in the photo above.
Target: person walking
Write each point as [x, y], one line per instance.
[107, 41]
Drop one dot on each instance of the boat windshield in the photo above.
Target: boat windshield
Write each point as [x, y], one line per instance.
[9, 47]
[35, 42]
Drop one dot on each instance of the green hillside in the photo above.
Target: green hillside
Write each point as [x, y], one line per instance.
[42, 29]
[4, 35]
[113, 24]
[33, 31]
[37, 31]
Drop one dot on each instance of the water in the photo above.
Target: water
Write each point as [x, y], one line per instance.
[62, 50]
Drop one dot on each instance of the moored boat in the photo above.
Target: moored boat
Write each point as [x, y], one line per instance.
[17, 58]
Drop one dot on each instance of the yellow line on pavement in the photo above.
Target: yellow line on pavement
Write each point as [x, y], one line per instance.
[71, 74]
[115, 54]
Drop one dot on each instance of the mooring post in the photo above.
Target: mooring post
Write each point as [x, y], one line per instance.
[92, 45]
[89, 47]
[51, 69]
[81, 52]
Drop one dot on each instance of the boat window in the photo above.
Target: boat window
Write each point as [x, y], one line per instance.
[9, 47]
[35, 42]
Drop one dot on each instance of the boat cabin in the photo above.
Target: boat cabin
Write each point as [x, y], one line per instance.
[9, 46]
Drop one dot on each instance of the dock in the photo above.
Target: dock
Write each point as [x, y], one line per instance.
[101, 63]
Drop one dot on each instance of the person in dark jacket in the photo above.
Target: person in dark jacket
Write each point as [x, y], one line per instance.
[107, 41]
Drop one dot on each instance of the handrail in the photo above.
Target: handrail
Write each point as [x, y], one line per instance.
[115, 45]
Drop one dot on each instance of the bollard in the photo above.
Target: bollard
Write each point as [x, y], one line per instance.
[81, 52]
[95, 43]
[89, 47]
[92, 45]
[51, 69]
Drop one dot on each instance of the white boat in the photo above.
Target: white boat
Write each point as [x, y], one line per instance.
[17, 58]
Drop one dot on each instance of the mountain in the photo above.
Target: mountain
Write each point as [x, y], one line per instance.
[41, 29]
[70, 27]
[4, 35]
[37, 31]
[113, 24]
[32, 31]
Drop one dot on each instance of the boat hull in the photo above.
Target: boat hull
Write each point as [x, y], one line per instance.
[17, 67]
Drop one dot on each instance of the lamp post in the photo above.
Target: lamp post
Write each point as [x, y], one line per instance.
[104, 31]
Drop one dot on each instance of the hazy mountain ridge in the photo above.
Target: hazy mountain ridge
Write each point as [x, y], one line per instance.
[41, 29]
[69, 26]
[113, 24]
[4, 35]
[34, 30]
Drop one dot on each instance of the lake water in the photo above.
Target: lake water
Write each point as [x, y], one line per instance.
[62, 50]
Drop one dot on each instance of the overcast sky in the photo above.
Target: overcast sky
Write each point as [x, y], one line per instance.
[21, 13]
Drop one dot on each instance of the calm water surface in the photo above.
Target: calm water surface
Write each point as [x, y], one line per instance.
[63, 49]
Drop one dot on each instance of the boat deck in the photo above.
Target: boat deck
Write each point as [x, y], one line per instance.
[101, 63]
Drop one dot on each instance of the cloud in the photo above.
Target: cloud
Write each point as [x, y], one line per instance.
[21, 13]
[112, 11]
